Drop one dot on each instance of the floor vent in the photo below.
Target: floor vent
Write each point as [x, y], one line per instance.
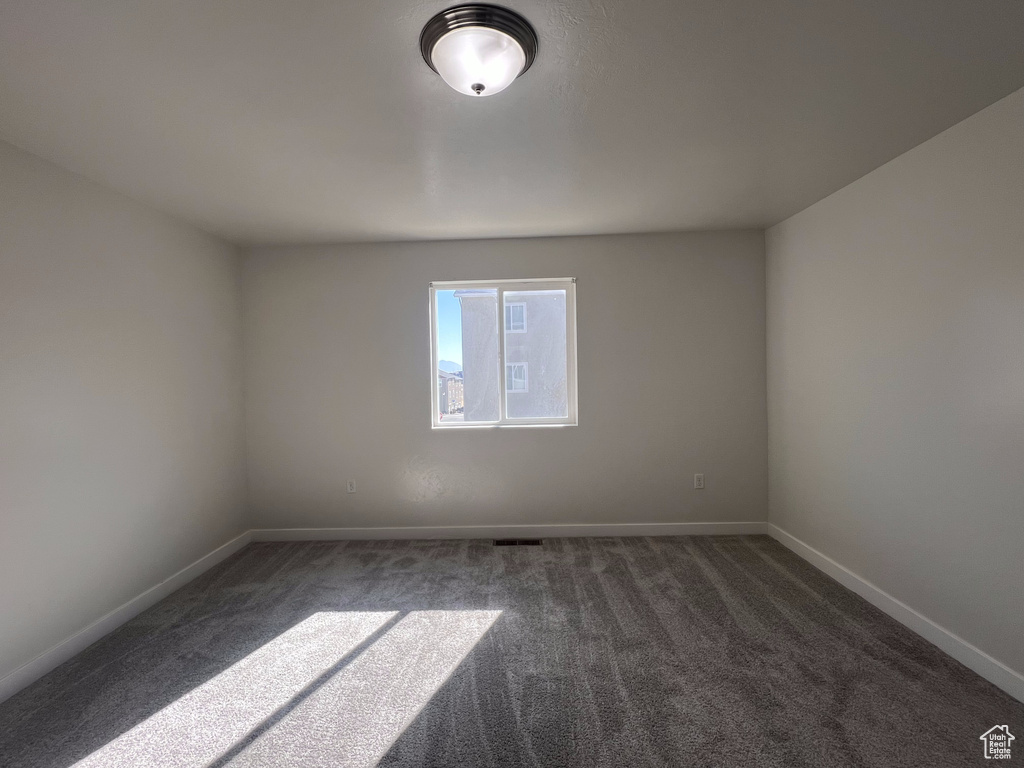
[518, 542]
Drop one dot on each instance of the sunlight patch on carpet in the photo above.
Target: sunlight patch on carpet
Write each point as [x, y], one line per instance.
[355, 717]
[209, 720]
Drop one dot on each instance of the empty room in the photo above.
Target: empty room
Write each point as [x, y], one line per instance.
[551, 384]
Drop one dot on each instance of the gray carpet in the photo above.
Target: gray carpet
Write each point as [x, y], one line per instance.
[703, 651]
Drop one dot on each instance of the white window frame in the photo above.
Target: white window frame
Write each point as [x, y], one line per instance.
[526, 378]
[516, 304]
[567, 284]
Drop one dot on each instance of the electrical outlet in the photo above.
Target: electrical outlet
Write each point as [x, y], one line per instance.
[698, 481]
[351, 486]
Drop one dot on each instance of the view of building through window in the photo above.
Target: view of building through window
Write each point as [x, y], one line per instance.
[521, 378]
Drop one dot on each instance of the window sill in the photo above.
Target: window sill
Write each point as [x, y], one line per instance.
[454, 427]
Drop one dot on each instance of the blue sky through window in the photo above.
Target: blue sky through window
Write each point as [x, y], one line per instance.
[449, 327]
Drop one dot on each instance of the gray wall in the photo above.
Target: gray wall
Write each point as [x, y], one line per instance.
[480, 351]
[543, 348]
[677, 319]
[896, 378]
[121, 451]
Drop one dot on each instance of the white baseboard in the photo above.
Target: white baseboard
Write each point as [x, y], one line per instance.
[970, 656]
[509, 531]
[28, 673]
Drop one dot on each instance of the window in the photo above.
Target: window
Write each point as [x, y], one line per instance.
[503, 353]
[516, 378]
[515, 317]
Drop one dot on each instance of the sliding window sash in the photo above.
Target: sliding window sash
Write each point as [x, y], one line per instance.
[512, 286]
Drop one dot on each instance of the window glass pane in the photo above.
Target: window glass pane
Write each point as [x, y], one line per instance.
[515, 318]
[536, 380]
[516, 377]
[468, 375]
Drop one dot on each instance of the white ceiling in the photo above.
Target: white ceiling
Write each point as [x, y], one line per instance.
[315, 120]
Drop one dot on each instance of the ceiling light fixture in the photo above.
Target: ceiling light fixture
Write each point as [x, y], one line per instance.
[478, 49]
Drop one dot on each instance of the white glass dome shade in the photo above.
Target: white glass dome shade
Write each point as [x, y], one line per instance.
[478, 61]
